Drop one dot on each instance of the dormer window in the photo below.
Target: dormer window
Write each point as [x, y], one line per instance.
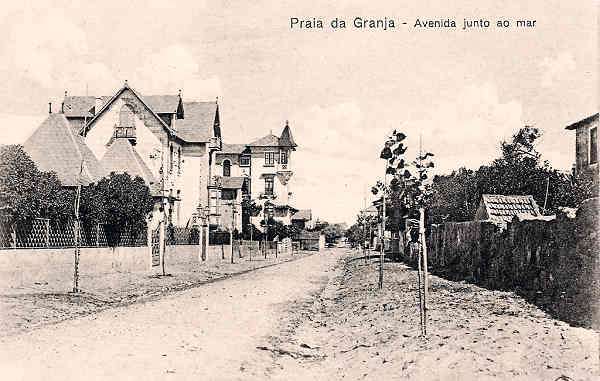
[284, 157]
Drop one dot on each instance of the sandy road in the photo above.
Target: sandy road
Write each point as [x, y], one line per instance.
[207, 333]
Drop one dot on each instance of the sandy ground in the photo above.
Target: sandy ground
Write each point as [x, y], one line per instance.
[317, 318]
[26, 308]
[207, 333]
[355, 332]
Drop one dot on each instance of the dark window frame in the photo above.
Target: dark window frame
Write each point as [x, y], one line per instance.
[593, 145]
[243, 159]
[269, 185]
[269, 159]
[227, 168]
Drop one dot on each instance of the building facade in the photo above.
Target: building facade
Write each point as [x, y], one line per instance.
[586, 145]
[171, 141]
[266, 164]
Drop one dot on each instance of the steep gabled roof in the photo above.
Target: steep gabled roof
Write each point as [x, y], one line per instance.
[55, 147]
[200, 122]
[582, 122]
[121, 157]
[163, 104]
[302, 215]
[266, 141]
[107, 105]
[286, 139]
[503, 208]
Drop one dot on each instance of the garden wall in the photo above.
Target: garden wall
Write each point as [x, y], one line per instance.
[554, 264]
[26, 267]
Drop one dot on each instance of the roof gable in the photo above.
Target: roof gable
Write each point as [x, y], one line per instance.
[107, 105]
[232, 148]
[504, 208]
[54, 146]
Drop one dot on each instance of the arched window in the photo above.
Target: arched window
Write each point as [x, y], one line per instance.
[226, 168]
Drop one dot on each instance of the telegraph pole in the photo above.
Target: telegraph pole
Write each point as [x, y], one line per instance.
[77, 233]
[382, 254]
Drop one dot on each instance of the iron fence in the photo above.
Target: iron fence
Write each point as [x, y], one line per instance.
[182, 236]
[45, 233]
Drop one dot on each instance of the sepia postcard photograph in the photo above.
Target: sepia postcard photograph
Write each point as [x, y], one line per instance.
[299, 190]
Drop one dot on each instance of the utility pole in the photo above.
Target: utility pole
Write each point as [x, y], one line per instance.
[423, 245]
[77, 233]
[232, 228]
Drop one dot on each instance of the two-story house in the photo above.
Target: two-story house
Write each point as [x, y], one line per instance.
[166, 141]
[586, 145]
[266, 164]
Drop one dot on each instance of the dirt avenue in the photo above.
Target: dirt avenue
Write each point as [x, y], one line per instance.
[319, 317]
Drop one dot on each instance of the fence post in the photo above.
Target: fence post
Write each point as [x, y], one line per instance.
[98, 235]
[13, 233]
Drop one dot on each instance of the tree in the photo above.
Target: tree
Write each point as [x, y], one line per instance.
[26, 192]
[250, 208]
[120, 202]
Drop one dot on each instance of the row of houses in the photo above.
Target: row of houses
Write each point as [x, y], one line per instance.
[176, 146]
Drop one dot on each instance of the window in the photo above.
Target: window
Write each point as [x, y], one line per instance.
[593, 145]
[284, 157]
[179, 160]
[171, 158]
[269, 159]
[268, 185]
[226, 168]
[245, 161]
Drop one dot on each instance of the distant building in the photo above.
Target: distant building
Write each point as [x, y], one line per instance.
[586, 145]
[267, 164]
[303, 219]
[502, 209]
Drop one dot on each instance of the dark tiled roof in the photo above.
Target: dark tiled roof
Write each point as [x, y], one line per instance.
[582, 122]
[504, 208]
[232, 148]
[198, 124]
[55, 147]
[163, 104]
[122, 157]
[304, 214]
[233, 182]
[287, 140]
[81, 106]
[266, 141]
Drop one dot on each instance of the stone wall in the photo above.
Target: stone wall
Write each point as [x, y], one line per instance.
[554, 264]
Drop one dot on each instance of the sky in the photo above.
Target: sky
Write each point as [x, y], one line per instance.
[343, 91]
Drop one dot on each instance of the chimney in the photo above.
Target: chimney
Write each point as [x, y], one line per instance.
[49, 107]
[98, 105]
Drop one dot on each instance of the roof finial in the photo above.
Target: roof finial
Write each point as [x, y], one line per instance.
[271, 131]
[286, 123]
[65, 93]
[126, 84]
[217, 100]
[179, 93]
